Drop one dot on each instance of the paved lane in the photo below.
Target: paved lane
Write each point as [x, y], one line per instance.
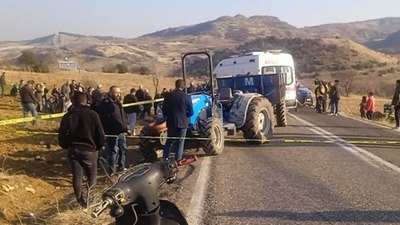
[281, 183]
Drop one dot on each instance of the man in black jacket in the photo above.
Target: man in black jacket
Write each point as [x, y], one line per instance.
[132, 111]
[28, 99]
[177, 109]
[334, 95]
[82, 134]
[396, 104]
[114, 122]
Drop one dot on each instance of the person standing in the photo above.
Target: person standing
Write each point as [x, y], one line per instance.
[3, 83]
[28, 100]
[177, 109]
[362, 106]
[147, 106]
[97, 97]
[320, 94]
[131, 111]
[334, 94]
[65, 95]
[140, 93]
[191, 88]
[396, 104]
[81, 132]
[114, 122]
[370, 105]
[38, 94]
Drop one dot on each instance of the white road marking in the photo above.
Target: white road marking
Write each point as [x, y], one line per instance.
[195, 213]
[357, 151]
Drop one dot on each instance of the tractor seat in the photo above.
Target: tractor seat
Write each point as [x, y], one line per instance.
[225, 94]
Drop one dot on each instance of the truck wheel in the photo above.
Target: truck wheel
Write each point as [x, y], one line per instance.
[149, 147]
[212, 129]
[281, 114]
[260, 120]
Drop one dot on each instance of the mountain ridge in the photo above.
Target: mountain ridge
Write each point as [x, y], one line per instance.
[161, 50]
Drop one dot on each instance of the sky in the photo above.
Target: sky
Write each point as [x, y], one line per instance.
[29, 19]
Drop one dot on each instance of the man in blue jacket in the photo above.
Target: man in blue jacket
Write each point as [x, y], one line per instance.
[177, 109]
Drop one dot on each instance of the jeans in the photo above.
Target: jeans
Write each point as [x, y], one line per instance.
[334, 106]
[132, 122]
[82, 161]
[29, 107]
[115, 150]
[396, 115]
[178, 135]
[369, 115]
[3, 88]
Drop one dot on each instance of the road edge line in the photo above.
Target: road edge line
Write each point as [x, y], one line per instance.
[195, 213]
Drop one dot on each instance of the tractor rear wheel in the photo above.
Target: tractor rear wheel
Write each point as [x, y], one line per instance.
[260, 120]
[281, 114]
[212, 131]
[149, 147]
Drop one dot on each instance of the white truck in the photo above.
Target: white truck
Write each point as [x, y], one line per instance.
[263, 63]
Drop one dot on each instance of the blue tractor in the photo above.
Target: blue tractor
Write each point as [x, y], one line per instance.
[205, 126]
[222, 108]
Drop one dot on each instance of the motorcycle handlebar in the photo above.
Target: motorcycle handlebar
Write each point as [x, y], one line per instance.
[103, 206]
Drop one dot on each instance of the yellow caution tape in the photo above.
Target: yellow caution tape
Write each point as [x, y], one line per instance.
[143, 102]
[29, 119]
[294, 141]
[58, 115]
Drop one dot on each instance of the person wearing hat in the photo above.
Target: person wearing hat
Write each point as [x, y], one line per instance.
[3, 83]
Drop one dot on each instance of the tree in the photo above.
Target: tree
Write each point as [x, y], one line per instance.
[28, 59]
[143, 70]
[346, 79]
[121, 68]
[32, 62]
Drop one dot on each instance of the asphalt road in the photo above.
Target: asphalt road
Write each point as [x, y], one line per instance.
[298, 183]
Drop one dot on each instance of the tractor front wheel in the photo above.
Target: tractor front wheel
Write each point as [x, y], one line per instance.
[212, 132]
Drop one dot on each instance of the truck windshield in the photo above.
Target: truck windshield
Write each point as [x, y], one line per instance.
[287, 70]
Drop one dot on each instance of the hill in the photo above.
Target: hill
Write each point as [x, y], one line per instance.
[362, 31]
[160, 51]
[318, 55]
[391, 44]
[233, 29]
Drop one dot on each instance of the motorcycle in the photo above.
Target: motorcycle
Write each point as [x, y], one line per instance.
[133, 199]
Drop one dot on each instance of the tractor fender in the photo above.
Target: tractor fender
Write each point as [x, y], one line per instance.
[237, 114]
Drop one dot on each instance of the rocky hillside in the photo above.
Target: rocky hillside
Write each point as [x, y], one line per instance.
[160, 51]
[233, 29]
[363, 31]
[391, 44]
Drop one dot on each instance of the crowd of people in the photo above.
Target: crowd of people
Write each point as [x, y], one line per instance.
[325, 91]
[86, 128]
